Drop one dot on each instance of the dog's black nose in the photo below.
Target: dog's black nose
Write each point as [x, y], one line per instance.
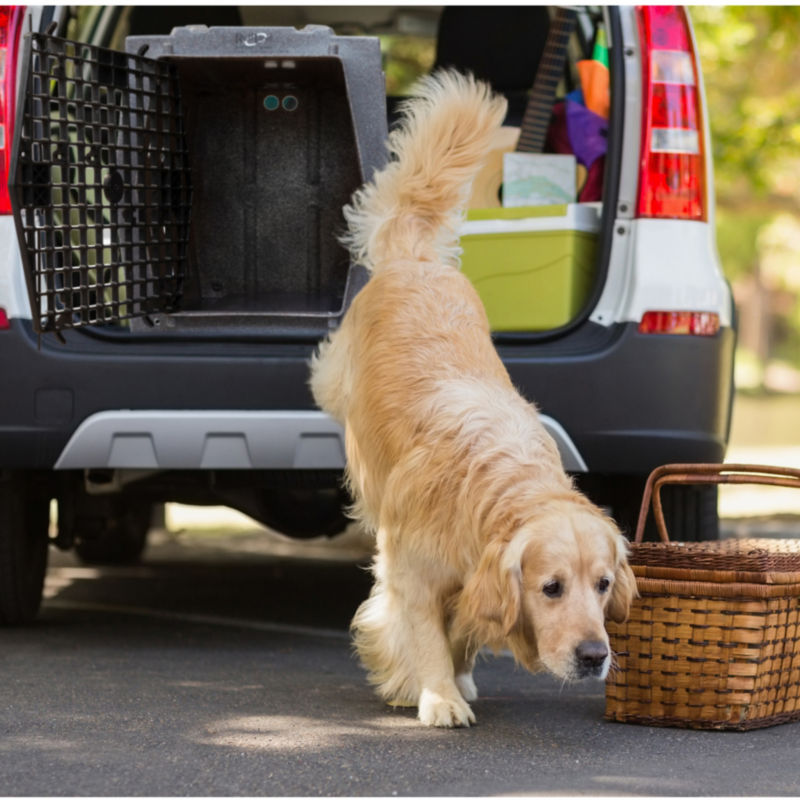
[591, 657]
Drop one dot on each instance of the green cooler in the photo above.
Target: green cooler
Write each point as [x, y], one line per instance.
[533, 266]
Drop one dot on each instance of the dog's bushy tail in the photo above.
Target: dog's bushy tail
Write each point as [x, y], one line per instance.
[412, 208]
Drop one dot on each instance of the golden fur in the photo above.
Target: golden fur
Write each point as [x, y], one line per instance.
[452, 469]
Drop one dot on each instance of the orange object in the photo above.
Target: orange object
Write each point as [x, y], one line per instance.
[595, 86]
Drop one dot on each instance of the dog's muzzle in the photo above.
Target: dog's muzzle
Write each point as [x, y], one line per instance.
[591, 659]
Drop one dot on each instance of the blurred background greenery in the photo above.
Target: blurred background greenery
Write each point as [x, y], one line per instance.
[751, 62]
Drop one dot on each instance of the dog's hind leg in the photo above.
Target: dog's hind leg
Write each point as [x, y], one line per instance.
[379, 639]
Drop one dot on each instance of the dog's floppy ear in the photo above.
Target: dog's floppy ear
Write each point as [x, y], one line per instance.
[490, 603]
[623, 591]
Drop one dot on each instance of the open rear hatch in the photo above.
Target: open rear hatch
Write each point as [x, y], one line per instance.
[195, 183]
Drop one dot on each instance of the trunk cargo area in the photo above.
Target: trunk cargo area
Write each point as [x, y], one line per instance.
[195, 182]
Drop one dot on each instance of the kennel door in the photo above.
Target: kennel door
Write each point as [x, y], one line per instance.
[100, 184]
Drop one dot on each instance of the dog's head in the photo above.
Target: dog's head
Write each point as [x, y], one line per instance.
[545, 592]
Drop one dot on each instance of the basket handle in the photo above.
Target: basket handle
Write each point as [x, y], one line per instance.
[705, 474]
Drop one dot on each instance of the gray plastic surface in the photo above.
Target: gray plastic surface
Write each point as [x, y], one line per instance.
[205, 440]
[360, 57]
[282, 125]
[227, 440]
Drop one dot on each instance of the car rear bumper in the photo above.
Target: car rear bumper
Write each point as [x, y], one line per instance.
[639, 400]
[623, 406]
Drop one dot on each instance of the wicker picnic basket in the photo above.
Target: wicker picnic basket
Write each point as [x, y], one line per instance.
[714, 639]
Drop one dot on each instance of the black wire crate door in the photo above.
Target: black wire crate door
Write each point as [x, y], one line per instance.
[101, 185]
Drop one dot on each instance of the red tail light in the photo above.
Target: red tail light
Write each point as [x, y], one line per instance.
[672, 173]
[5, 323]
[11, 18]
[695, 323]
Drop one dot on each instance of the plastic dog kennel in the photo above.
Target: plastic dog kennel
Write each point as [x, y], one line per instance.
[195, 181]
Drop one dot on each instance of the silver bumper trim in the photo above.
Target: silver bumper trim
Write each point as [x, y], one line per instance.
[227, 440]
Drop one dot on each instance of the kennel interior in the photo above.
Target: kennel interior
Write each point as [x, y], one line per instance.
[264, 133]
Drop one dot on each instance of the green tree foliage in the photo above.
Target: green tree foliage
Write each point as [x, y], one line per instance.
[737, 240]
[406, 58]
[751, 62]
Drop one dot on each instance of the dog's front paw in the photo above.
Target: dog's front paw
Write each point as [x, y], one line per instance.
[444, 712]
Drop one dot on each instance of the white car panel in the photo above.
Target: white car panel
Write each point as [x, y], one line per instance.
[13, 291]
[669, 265]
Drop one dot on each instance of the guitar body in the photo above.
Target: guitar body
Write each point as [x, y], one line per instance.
[488, 182]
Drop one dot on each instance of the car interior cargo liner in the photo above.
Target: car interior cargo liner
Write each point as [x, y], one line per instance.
[196, 181]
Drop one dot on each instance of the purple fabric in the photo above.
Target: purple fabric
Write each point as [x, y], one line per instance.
[587, 132]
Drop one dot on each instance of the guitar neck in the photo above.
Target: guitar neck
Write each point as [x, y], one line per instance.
[536, 119]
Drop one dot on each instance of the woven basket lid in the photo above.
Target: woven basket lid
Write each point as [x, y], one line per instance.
[724, 560]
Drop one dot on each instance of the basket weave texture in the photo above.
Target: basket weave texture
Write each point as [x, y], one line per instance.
[712, 642]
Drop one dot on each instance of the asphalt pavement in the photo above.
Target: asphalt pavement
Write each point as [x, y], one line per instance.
[216, 668]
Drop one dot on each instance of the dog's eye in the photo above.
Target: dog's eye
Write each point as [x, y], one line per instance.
[553, 588]
[602, 585]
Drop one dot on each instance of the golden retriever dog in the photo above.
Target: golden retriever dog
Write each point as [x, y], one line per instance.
[481, 538]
